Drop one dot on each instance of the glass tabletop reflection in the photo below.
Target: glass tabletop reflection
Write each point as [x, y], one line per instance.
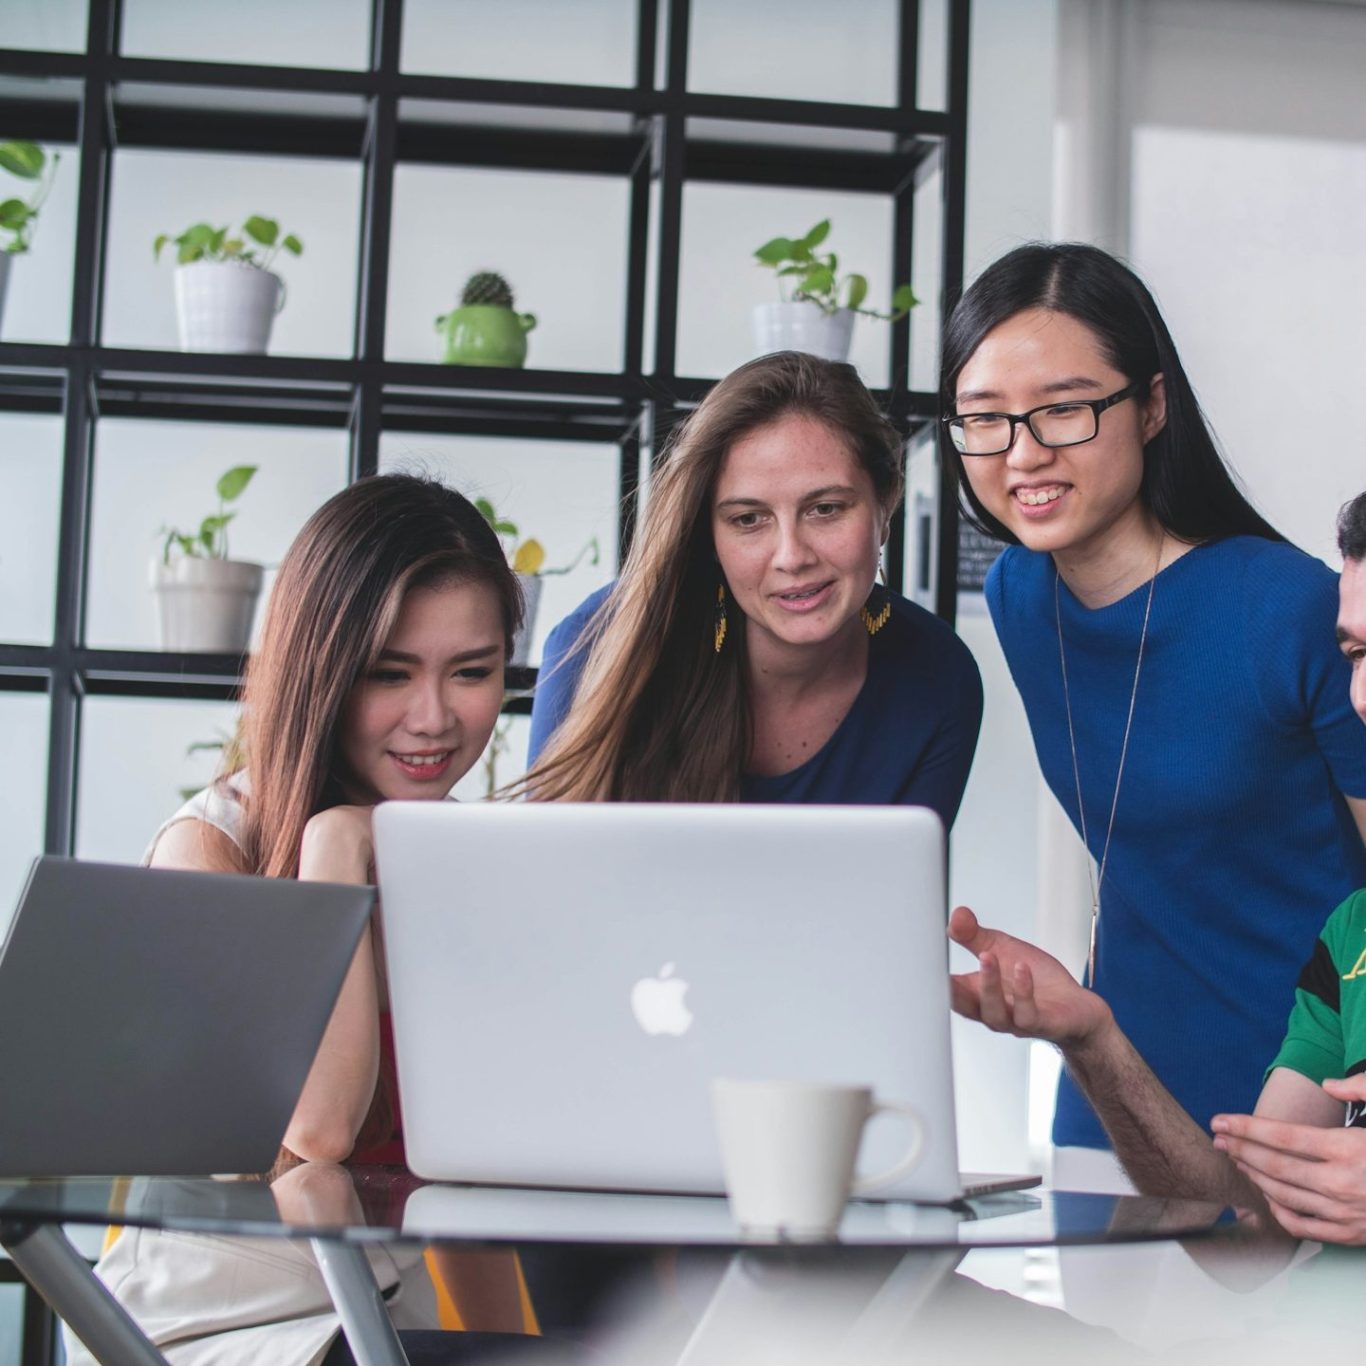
[370, 1204]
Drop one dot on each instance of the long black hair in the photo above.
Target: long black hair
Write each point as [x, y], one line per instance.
[1186, 484]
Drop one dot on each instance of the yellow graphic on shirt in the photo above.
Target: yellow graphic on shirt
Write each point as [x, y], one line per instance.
[1358, 968]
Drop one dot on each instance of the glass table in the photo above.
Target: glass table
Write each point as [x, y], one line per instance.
[864, 1287]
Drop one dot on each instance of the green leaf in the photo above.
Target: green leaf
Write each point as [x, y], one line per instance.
[263, 230]
[14, 213]
[24, 159]
[292, 245]
[903, 299]
[233, 246]
[818, 234]
[177, 538]
[200, 235]
[505, 528]
[775, 252]
[485, 510]
[232, 484]
[857, 291]
[801, 252]
[215, 245]
[162, 239]
[819, 281]
[188, 252]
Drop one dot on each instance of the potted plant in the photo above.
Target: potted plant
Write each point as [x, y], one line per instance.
[527, 558]
[485, 330]
[226, 294]
[816, 312]
[206, 601]
[28, 161]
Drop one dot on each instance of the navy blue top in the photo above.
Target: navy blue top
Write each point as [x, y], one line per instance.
[1232, 842]
[908, 738]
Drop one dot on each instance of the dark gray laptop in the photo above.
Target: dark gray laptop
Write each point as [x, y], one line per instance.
[163, 1023]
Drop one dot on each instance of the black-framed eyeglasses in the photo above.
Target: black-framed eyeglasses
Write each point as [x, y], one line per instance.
[1051, 424]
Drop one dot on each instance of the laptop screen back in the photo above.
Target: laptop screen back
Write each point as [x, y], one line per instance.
[566, 981]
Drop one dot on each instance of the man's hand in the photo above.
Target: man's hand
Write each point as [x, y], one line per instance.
[1019, 989]
[1314, 1179]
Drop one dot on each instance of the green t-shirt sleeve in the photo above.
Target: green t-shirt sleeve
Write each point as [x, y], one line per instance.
[1314, 1043]
[1313, 1039]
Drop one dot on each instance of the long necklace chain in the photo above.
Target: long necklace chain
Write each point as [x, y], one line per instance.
[1097, 880]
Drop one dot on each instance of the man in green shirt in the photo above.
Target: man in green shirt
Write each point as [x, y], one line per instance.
[1302, 1153]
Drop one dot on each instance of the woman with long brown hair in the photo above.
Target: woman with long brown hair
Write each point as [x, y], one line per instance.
[747, 652]
[379, 675]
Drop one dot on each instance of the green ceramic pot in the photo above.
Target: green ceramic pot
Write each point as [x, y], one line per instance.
[485, 334]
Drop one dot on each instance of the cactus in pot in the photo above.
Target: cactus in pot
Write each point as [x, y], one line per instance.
[485, 329]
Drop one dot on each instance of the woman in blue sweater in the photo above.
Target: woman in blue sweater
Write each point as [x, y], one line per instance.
[747, 652]
[1175, 658]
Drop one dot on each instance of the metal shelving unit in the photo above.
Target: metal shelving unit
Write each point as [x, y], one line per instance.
[657, 137]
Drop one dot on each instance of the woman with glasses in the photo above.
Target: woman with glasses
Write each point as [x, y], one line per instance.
[1175, 658]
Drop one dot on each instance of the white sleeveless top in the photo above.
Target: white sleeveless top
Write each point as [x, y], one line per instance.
[218, 1301]
[218, 805]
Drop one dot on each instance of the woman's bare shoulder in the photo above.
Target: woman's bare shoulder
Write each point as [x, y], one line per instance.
[197, 846]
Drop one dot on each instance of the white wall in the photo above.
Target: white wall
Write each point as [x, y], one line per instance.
[1248, 193]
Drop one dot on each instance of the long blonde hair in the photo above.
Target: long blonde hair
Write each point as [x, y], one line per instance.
[658, 714]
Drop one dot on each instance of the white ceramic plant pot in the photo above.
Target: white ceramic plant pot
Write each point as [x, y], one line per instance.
[226, 306]
[803, 327]
[206, 605]
[5, 259]
[531, 594]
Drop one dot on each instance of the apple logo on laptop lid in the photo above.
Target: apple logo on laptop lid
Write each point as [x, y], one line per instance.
[658, 1004]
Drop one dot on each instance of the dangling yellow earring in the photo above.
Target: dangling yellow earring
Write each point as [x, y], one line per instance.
[877, 611]
[719, 618]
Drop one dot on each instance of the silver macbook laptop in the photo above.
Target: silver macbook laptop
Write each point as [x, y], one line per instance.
[163, 1023]
[566, 981]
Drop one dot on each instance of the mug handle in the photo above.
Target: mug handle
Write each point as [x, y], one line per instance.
[863, 1185]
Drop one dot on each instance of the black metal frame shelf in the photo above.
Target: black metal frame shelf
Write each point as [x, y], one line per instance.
[658, 136]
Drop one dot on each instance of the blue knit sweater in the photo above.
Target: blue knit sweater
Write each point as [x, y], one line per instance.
[1232, 843]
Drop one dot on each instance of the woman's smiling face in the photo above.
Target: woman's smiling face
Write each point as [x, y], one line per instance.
[1064, 499]
[415, 724]
[797, 529]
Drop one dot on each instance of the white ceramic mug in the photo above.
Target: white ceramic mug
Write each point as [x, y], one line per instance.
[788, 1151]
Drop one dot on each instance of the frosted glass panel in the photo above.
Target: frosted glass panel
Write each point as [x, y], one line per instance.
[49, 25]
[571, 42]
[720, 282]
[932, 66]
[37, 305]
[806, 50]
[156, 192]
[325, 33]
[136, 768]
[23, 794]
[560, 241]
[561, 492]
[927, 251]
[152, 474]
[31, 475]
